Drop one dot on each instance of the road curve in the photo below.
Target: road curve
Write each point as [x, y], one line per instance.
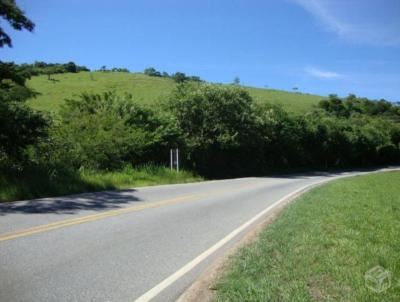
[138, 244]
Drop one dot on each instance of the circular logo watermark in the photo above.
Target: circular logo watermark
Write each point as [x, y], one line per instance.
[377, 279]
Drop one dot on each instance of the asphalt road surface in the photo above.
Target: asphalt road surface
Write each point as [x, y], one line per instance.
[145, 243]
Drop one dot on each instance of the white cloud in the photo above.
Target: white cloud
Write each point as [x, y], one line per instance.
[360, 27]
[320, 11]
[322, 74]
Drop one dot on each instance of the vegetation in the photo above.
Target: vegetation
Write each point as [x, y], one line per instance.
[223, 126]
[236, 81]
[178, 77]
[114, 69]
[106, 135]
[33, 157]
[15, 17]
[145, 89]
[35, 182]
[107, 132]
[52, 94]
[20, 126]
[39, 68]
[353, 106]
[322, 245]
[221, 130]
[216, 128]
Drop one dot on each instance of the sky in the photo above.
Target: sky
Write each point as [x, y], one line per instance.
[319, 46]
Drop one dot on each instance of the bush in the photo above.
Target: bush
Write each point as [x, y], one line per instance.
[152, 72]
[20, 126]
[108, 131]
[218, 126]
[226, 134]
[179, 77]
[352, 105]
[39, 68]
[220, 131]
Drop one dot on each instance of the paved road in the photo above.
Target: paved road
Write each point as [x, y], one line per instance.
[118, 246]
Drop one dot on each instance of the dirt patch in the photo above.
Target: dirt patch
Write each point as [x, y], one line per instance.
[323, 287]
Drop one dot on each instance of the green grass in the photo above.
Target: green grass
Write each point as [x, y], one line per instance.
[292, 102]
[34, 183]
[322, 245]
[145, 89]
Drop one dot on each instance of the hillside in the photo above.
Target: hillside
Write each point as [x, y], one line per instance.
[144, 88]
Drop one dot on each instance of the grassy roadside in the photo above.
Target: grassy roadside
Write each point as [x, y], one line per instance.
[322, 245]
[35, 184]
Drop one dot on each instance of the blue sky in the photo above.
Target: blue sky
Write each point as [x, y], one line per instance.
[320, 46]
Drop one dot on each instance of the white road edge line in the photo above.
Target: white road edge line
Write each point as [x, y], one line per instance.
[189, 266]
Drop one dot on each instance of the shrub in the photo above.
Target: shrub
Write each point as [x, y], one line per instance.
[108, 131]
[218, 127]
[20, 126]
[226, 134]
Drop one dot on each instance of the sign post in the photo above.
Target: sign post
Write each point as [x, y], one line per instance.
[174, 159]
[171, 158]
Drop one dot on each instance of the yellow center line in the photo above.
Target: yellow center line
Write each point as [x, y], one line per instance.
[110, 213]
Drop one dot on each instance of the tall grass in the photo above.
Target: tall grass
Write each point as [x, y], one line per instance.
[35, 182]
[145, 175]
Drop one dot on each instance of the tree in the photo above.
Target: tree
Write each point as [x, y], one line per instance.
[71, 67]
[218, 127]
[152, 72]
[334, 105]
[17, 19]
[107, 131]
[194, 78]
[236, 81]
[179, 77]
[20, 126]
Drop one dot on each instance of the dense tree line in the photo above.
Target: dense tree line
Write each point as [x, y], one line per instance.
[353, 106]
[38, 68]
[114, 69]
[178, 77]
[220, 131]
[226, 133]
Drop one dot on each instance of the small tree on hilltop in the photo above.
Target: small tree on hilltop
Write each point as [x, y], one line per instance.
[71, 67]
[179, 77]
[152, 72]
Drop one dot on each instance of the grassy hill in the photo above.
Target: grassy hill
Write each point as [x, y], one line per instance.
[144, 88]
